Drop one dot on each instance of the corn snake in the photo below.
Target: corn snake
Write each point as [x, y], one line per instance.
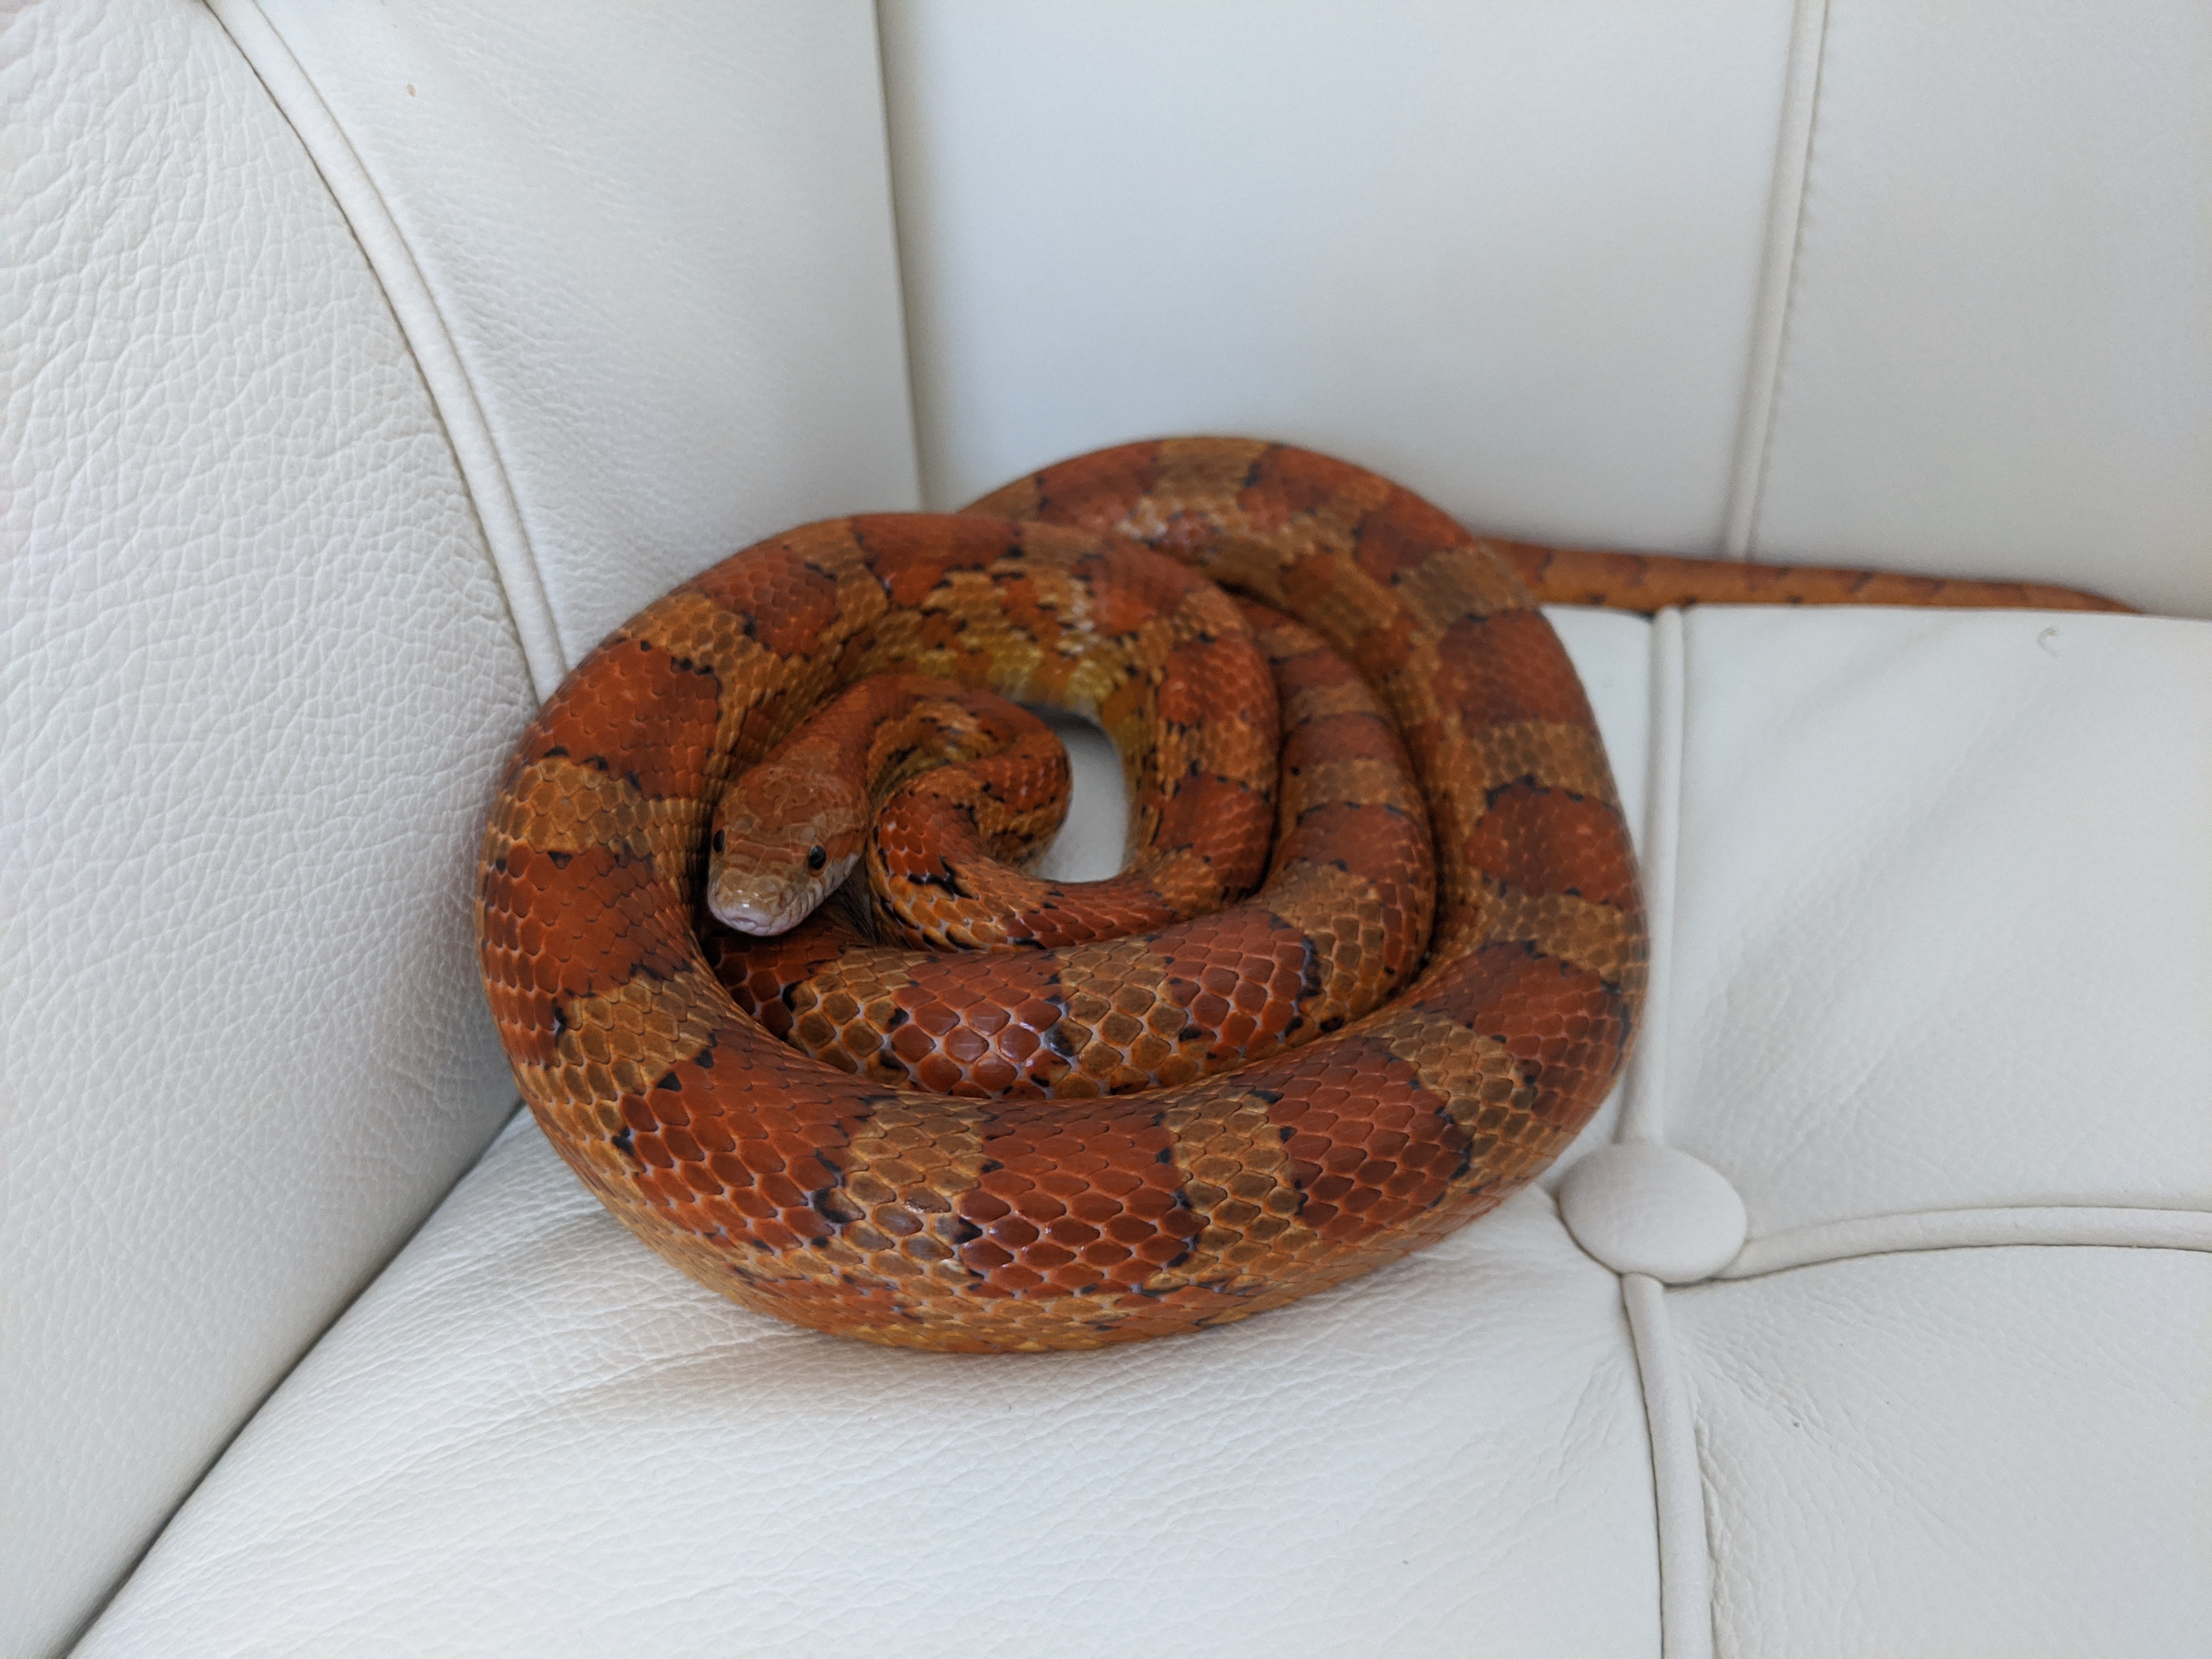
[846, 1201]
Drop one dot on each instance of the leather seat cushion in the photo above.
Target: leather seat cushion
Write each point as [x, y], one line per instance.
[1932, 910]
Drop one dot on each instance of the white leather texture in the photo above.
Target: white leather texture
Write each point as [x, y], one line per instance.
[1999, 1451]
[1917, 1003]
[1999, 334]
[1961, 862]
[1507, 255]
[258, 677]
[662, 255]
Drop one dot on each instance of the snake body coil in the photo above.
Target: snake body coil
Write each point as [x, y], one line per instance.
[837, 1200]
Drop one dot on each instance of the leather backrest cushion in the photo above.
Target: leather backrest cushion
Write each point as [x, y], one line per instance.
[661, 246]
[1869, 282]
[260, 678]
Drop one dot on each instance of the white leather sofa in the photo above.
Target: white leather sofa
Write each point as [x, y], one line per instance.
[365, 362]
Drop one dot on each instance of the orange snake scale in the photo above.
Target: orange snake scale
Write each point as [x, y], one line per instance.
[1261, 1168]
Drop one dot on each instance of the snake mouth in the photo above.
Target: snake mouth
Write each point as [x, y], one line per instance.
[767, 902]
[760, 921]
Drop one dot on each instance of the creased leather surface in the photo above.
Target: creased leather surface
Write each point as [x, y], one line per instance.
[532, 1438]
[257, 679]
[663, 249]
[1999, 350]
[1999, 1451]
[1943, 927]
[1506, 256]
[529, 1407]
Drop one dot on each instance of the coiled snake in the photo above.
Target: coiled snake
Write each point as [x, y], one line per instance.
[1461, 1018]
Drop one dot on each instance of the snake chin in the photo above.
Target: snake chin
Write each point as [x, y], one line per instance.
[768, 902]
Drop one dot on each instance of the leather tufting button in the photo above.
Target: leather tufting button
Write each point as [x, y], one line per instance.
[1645, 1209]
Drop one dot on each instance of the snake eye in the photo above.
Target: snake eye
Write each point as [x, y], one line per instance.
[817, 858]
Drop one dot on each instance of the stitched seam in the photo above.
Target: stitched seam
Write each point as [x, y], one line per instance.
[1642, 1115]
[422, 323]
[1910, 1232]
[1785, 223]
[903, 232]
[1678, 1487]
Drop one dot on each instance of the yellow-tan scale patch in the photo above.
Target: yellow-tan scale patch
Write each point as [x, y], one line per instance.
[1042, 652]
[561, 806]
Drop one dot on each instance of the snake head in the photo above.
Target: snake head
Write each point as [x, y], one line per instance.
[784, 840]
